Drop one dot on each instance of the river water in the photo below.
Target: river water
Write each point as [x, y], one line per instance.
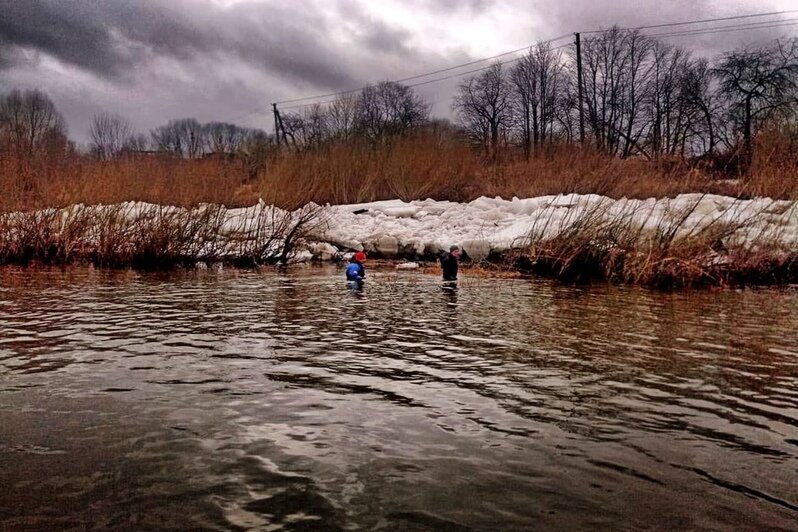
[267, 401]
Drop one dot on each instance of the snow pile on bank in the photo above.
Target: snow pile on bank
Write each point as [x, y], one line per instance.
[260, 233]
[487, 225]
[418, 229]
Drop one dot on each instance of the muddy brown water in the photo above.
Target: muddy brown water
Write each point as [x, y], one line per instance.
[267, 400]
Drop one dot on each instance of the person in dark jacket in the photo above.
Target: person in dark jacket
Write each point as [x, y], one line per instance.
[355, 270]
[449, 263]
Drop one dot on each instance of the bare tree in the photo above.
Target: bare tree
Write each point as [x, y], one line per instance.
[185, 137]
[536, 81]
[759, 84]
[566, 109]
[389, 108]
[341, 116]
[605, 60]
[293, 125]
[637, 48]
[309, 129]
[484, 106]
[137, 143]
[255, 152]
[109, 135]
[524, 80]
[375, 114]
[671, 113]
[225, 138]
[30, 123]
[699, 97]
[617, 70]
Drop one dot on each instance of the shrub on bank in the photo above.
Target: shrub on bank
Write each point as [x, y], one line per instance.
[154, 236]
[637, 248]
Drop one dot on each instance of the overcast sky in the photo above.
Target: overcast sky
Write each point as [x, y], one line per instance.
[155, 60]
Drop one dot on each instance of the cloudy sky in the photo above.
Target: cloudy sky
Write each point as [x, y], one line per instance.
[155, 60]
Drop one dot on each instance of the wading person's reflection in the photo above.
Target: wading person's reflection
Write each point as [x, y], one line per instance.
[355, 288]
[449, 291]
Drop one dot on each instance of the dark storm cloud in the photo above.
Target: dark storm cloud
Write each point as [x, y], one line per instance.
[110, 39]
[292, 40]
[154, 60]
[379, 37]
[66, 33]
[444, 6]
[586, 15]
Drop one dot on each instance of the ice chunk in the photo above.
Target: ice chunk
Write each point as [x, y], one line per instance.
[477, 249]
[387, 245]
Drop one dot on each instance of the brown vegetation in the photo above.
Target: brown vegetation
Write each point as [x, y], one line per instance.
[615, 249]
[153, 236]
[424, 164]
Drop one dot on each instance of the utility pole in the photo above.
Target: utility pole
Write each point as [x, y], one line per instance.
[276, 124]
[579, 88]
[282, 128]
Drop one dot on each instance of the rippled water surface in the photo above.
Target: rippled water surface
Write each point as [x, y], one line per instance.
[270, 401]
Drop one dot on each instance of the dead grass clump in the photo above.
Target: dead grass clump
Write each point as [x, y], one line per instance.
[155, 179]
[153, 236]
[46, 236]
[565, 169]
[590, 244]
[774, 165]
[411, 167]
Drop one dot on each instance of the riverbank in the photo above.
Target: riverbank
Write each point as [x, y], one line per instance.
[692, 239]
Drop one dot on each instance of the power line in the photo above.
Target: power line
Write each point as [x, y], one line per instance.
[479, 69]
[427, 82]
[525, 48]
[247, 114]
[696, 32]
[449, 69]
[679, 33]
[725, 29]
[460, 74]
[702, 21]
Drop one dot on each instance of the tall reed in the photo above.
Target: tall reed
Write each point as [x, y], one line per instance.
[419, 165]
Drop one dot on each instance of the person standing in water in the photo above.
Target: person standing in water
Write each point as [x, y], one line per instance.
[449, 263]
[355, 270]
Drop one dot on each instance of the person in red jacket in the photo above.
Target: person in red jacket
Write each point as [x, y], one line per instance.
[355, 270]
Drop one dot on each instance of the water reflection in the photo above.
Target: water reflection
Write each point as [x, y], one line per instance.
[449, 291]
[224, 399]
[356, 288]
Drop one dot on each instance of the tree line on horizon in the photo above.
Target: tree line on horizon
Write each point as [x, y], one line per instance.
[641, 98]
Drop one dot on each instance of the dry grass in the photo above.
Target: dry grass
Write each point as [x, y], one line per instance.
[774, 168]
[413, 167]
[425, 164]
[162, 180]
[594, 246]
[155, 237]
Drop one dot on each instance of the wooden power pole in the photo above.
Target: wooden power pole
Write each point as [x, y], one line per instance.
[276, 124]
[579, 88]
